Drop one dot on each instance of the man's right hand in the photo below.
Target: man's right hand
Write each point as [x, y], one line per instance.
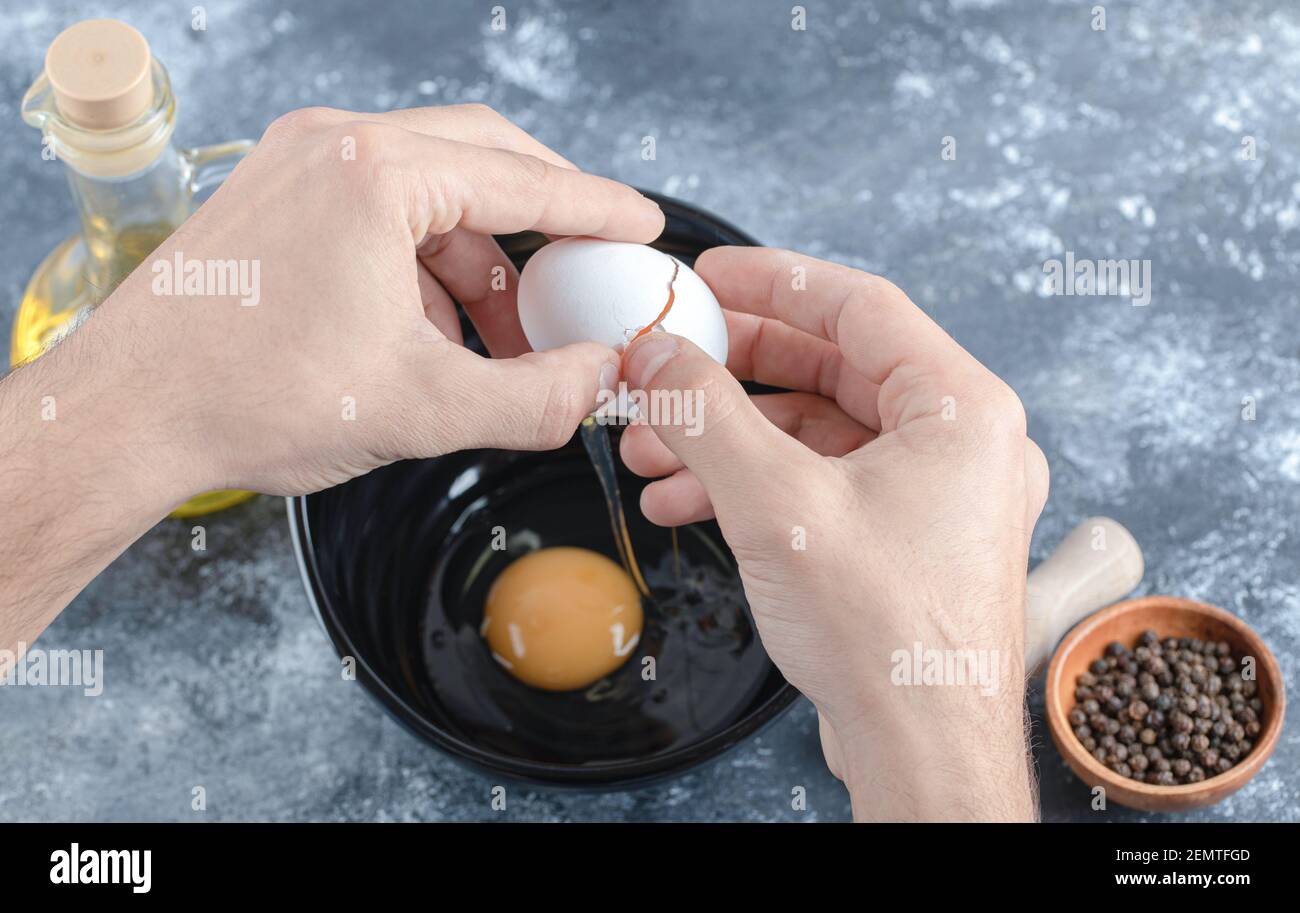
[888, 502]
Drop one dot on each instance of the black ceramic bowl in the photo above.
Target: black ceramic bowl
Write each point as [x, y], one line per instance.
[397, 563]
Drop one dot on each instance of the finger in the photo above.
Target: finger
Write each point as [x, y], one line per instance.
[461, 400]
[817, 423]
[728, 445]
[476, 124]
[676, 500]
[646, 455]
[496, 191]
[475, 271]
[880, 332]
[439, 309]
[766, 350]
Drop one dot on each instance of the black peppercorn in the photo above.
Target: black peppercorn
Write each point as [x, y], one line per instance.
[1166, 712]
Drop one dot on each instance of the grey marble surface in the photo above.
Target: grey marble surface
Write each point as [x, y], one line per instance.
[1126, 142]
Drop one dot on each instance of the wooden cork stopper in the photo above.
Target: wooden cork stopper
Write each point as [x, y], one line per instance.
[100, 72]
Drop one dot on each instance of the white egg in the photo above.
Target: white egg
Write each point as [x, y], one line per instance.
[587, 290]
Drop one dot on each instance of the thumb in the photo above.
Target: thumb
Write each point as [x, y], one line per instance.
[534, 401]
[703, 415]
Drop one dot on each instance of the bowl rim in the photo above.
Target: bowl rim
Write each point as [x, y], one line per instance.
[600, 775]
[1153, 796]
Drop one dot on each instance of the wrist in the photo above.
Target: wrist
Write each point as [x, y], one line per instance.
[940, 754]
[106, 425]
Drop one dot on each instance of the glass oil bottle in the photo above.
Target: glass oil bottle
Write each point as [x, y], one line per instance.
[105, 108]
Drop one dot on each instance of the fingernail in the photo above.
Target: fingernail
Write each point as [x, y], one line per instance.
[608, 377]
[606, 384]
[648, 357]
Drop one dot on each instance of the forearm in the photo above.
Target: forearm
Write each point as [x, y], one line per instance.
[89, 461]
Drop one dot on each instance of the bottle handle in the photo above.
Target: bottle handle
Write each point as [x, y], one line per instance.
[208, 166]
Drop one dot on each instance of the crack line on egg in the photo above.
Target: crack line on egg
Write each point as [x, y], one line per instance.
[667, 306]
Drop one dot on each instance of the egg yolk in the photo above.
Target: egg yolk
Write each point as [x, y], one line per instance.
[562, 618]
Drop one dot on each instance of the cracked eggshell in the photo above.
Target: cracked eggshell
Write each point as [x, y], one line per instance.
[584, 289]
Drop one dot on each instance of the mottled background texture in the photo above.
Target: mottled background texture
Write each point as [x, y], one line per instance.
[1124, 143]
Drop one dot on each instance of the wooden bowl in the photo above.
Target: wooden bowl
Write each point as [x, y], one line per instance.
[1168, 616]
